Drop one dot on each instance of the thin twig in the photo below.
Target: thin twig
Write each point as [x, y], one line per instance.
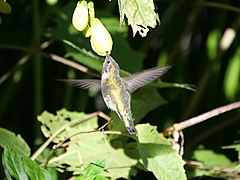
[216, 5]
[70, 63]
[48, 158]
[97, 131]
[220, 6]
[198, 119]
[83, 132]
[226, 170]
[52, 57]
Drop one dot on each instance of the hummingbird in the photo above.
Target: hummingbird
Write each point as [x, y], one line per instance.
[116, 91]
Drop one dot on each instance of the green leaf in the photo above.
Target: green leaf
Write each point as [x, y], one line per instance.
[144, 101]
[22, 167]
[86, 59]
[51, 123]
[101, 178]
[34, 171]
[16, 142]
[234, 146]
[157, 154]
[238, 167]
[92, 170]
[13, 164]
[5, 8]
[127, 58]
[7, 173]
[91, 178]
[140, 15]
[53, 173]
[80, 152]
[112, 24]
[120, 162]
[210, 158]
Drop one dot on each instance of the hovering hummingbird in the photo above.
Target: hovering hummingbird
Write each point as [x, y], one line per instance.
[116, 90]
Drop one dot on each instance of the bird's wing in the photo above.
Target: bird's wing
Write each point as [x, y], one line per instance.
[89, 84]
[137, 80]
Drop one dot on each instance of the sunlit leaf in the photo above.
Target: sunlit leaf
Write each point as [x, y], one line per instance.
[85, 148]
[13, 164]
[81, 153]
[157, 154]
[140, 14]
[210, 158]
[22, 167]
[16, 142]
[5, 7]
[92, 170]
[238, 167]
[236, 147]
[51, 123]
[120, 162]
[34, 171]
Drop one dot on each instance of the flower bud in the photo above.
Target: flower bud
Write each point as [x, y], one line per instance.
[91, 10]
[101, 40]
[80, 16]
[5, 8]
[87, 32]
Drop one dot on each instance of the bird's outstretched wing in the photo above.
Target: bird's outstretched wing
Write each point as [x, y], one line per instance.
[137, 80]
[89, 84]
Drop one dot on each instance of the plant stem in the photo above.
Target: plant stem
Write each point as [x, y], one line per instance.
[53, 57]
[37, 67]
[198, 119]
[220, 6]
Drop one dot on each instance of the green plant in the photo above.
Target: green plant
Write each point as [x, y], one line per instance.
[78, 144]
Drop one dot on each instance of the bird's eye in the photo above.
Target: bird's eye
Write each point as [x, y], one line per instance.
[108, 62]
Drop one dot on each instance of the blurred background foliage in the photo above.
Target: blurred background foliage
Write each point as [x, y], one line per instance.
[200, 38]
